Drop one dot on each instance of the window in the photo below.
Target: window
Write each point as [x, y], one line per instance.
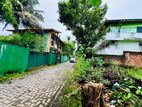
[114, 30]
[140, 43]
[52, 42]
[139, 29]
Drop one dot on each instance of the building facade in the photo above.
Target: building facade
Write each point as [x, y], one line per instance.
[123, 43]
[51, 39]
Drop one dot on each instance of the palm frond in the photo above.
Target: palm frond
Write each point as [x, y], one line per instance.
[28, 20]
[5, 25]
[39, 16]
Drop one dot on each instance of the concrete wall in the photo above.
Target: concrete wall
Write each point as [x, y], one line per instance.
[48, 45]
[123, 36]
[129, 58]
[47, 42]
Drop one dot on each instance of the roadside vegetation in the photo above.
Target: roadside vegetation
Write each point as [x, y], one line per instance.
[8, 77]
[121, 85]
[86, 20]
[121, 88]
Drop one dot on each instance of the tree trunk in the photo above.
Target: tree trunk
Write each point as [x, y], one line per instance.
[92, 95]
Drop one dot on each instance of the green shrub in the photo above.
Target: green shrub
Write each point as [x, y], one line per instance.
[71, 91]
[127, 93]
[135, 73]
[27, 39]
[81, 68]
[98, 61]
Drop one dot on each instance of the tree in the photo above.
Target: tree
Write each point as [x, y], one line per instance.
[20, 12]
[69, 48]
[6, 12]
[85, 18]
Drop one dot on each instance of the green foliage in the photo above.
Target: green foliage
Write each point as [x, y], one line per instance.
[12, 39]
[98, 61]
[95, 2]
[33, 41]
[135, 73]
[125, 98]
[82, 67]
[139, 91]
[7, 14]
[69, 48]
[27, 39]
[12, 75]
[127, 93]
[16, 12]
[84, 20]
[72, 95]
[97, 74]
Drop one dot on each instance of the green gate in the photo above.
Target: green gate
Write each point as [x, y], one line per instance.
[13, 58]
[37, 59]
[52, 58]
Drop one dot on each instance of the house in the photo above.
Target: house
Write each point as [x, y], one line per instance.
[52, 41]
[123, 43]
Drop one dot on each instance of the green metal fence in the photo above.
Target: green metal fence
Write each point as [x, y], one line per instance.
[52, 58]
[13, 58]
[64, 58]
[58, 58]
[37, 59]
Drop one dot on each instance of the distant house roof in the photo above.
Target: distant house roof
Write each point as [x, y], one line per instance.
[40, 31]
[118, 21]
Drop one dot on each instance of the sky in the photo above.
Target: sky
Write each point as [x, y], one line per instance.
[117, 9]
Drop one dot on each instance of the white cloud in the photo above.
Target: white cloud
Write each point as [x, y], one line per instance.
[124, 9]
[116, 9]
[51, 17]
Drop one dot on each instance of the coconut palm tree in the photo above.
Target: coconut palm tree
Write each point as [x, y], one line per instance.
[21, 12]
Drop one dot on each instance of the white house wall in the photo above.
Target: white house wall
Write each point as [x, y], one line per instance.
[123, 36]
[120, 36]
[119, 48]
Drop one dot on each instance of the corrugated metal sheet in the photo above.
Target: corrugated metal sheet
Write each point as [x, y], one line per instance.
[13, 58]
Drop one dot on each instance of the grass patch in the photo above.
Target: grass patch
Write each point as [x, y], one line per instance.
[135, 73]
[8, 77]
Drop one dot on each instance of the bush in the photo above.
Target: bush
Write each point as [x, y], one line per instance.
[125, 91]
[27, 39]
[72, 95]
[112, 76]
[98, 61]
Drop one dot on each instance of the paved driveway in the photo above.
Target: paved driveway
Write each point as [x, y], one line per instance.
[35, 90]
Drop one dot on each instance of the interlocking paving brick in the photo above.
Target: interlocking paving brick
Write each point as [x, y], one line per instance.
[35, 90]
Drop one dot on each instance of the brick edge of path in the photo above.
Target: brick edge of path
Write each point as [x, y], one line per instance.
[55, 96]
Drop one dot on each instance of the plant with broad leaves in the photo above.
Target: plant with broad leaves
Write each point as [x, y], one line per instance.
[86, 21]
